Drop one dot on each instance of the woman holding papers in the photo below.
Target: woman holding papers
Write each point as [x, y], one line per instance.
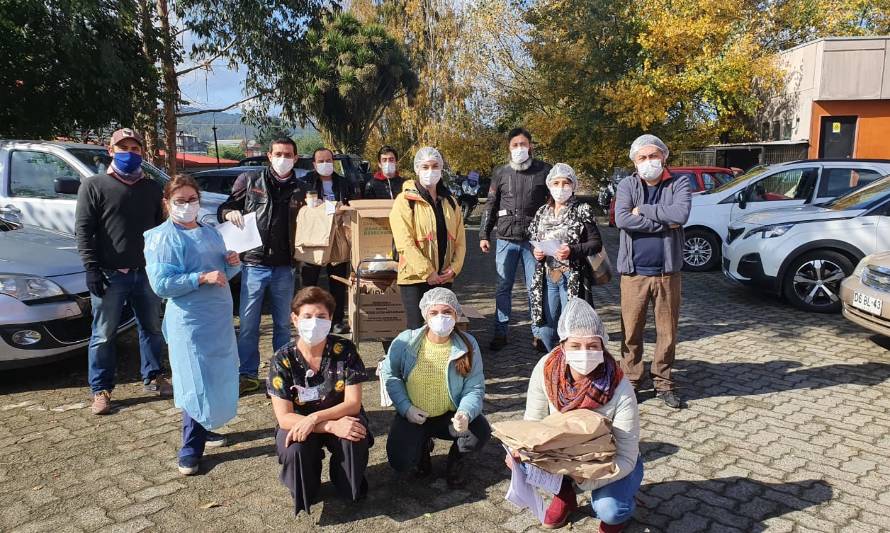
[188, 265]
[580, 373]
[563, 234]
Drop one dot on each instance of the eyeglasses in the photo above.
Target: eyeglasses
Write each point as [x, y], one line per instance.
[183, 203]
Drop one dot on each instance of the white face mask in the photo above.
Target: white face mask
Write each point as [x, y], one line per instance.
[313, 330]
[584, 361]
[441, 325]
[388, 169]
[561, 194]
[519, 155]
[184, 214]
[650, 169]
[324, 169]
[281, 165]
[430, 177]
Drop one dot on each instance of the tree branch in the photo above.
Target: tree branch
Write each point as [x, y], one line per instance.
[220, 109]
[206, 63]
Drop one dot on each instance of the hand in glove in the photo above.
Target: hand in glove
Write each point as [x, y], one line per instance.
[415, 415]
[96, 282]
[461, 422]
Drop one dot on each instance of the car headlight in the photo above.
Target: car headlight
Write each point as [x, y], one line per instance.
[857, 272]
[768, 232]
[27, 288]
[209, 219]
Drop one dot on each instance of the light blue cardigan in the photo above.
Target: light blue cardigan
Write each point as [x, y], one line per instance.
[467, 392]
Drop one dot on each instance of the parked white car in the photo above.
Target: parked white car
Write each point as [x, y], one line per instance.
[39, 181]
[805, 252]
[768, 187]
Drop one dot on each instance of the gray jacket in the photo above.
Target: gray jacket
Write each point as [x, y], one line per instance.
[672, 209]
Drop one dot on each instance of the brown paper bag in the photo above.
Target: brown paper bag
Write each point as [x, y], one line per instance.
[320, 238]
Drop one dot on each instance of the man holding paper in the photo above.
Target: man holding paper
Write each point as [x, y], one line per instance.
[275, 196]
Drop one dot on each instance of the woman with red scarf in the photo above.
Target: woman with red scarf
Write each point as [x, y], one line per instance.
[580, 373]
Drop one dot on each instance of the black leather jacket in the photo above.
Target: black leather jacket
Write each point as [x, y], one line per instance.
[342, 188]
[253, 193]
[513, 200]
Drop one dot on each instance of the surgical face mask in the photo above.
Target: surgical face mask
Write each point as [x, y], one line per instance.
[281, 165]
[650, 169]
[313, 330]
[388, 169]
[584, 361]
[127, 162]
[441, 325]
[324, 169]
[184, 213]
[430, 176]
[561, 194]
[519, 154]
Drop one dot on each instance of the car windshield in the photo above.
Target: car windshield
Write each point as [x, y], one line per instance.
[97, 160]
[864, 198]
[755, 171]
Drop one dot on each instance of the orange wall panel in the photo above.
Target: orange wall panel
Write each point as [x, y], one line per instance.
[872, 127]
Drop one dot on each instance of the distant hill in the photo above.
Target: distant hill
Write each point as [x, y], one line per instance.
[228, 126]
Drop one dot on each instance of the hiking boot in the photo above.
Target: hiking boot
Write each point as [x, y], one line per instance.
[538, 345]
[215, 440]
[101, 403]
[247, 385]
[425, 465]
[497, 343]
[188, 466]
[670, 399]
[455, 469]
[341, 328]
[563, 505]
[159, 385]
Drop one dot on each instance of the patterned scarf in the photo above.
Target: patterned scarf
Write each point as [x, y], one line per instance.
[589, 392]
[122, 176]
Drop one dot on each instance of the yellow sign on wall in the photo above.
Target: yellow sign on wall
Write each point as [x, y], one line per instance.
[835, 127]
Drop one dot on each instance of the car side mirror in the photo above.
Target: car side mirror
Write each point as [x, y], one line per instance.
[66, 185]
[740, 199]
[365, 167]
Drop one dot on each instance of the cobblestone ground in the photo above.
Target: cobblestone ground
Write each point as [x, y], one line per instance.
[788, 429]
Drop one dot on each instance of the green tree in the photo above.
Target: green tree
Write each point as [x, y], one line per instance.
[228, 152]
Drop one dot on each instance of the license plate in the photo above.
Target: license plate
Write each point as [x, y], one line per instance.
[867, 303]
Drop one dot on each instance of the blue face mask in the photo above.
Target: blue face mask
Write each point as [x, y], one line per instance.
[127, 162]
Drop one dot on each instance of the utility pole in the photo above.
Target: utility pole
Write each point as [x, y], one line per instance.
[215, 144]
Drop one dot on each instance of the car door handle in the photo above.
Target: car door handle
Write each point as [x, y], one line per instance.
[866, 223]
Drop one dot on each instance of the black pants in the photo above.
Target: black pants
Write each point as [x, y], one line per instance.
[406, 440]
[301, 466]
[310, 275]
[411, 295]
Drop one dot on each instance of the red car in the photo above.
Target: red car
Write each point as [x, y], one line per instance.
[701, 179]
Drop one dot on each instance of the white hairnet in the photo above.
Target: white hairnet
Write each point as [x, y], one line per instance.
[648, 140]
[425, 154]
[578, 319]
[437, 296]
[562, 170]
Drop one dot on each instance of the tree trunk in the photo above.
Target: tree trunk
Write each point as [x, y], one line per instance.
[170, 94]
[148, 114]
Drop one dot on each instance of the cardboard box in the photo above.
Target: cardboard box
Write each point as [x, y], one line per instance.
[370, 234]
[375, 309]
[469, 313]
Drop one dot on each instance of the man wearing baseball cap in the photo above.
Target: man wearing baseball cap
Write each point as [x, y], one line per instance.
[113, 211]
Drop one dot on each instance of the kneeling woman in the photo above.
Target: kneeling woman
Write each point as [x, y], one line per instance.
[434, 377]
[581, 374]
[315, 385]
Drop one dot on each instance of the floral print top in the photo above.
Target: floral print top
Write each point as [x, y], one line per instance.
[290, 377]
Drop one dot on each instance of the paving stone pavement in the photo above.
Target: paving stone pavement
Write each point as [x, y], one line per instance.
[788, 429]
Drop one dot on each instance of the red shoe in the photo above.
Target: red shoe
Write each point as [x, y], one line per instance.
[611, 528]
[561, 507]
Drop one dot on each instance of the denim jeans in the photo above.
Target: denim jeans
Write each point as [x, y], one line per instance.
[615, 503]
[132, 287]
[508, 254]
[556, 296]
[255, 279]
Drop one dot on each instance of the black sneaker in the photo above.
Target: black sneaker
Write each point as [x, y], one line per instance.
[215, 440]
[538, 344]
[497, 343]
[341, 328]
[188, 466]
[425, 465]
[670, 399]
[455, 471]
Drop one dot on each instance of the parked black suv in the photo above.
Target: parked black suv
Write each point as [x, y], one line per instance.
[351, 166]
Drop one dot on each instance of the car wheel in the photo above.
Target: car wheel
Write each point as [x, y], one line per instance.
[813, 281]
[701, 251]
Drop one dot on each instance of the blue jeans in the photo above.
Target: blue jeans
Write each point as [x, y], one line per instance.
[615, 503]
[132, 287]
[507, 258]
[556, 296]
[255, 279]
[194, 437]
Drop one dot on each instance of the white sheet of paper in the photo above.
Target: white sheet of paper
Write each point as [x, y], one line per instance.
[330, 207]
[523, 495]
[548, 247]
[240, 240]
[385, 400]
[542, 479]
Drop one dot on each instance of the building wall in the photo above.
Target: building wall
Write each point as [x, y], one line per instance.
[872, 126]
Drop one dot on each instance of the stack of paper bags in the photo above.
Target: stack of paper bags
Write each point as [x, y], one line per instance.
[320, 237]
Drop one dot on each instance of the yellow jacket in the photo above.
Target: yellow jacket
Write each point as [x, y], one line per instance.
[414, 233]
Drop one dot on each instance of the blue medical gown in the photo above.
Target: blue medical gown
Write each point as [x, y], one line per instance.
[198, 322]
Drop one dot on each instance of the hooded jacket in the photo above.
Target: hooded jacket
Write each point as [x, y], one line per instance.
[382, 188]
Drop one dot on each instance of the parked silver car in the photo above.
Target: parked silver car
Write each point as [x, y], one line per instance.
[45, 308]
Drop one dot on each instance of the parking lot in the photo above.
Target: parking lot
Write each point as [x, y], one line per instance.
[787, 429]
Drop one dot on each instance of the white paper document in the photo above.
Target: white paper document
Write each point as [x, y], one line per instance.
[548, 247]
[330, 207]
[523, 495]
[240, 240]
[542, 479]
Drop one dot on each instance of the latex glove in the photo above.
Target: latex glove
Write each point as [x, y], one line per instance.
[236, 218]
[96, 282]
[416, 416]
[461, 422]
